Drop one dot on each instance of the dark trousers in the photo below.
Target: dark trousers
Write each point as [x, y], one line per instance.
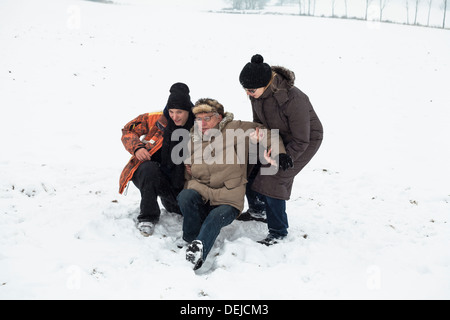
[255, 200]
[152, 182]
[277, 219]
[275, 209]
[202, 221]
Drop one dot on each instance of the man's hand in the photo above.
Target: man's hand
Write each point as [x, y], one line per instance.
[256, 136]
[143, 155]
[188, 169]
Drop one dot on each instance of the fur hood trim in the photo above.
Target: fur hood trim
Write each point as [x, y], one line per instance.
[207, 106]
[286, 74]
[203, 108]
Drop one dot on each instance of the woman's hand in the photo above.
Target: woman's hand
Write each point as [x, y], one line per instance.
[267, 156]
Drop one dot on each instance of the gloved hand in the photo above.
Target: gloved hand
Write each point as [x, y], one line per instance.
[285, 162]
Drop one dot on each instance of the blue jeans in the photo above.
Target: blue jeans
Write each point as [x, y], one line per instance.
[202, 221]
[277, 219]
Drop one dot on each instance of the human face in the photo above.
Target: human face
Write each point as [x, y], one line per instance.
[180, 117]
[255, 93]
[208, 121]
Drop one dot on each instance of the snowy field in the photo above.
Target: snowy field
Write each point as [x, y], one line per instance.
[369, 217]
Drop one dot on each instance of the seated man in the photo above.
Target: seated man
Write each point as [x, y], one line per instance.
[216, 177]
[148, 139]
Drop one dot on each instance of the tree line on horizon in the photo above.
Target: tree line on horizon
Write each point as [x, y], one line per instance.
[308, 8]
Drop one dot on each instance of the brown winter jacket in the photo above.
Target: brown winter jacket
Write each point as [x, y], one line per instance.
[146, 131]
[223, 183]
[283, 106]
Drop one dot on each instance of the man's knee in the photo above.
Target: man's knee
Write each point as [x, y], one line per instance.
[187, 196]
[147, 173]
[149, 169]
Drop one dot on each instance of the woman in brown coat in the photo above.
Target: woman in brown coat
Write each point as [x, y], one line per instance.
[278, 104]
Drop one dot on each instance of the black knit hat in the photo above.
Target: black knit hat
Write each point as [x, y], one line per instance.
[179, 97]
[256, 74]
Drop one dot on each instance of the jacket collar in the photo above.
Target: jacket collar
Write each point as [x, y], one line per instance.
[278, 89]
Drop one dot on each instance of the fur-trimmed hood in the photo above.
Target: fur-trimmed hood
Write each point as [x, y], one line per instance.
[282, 82]
[285, 74]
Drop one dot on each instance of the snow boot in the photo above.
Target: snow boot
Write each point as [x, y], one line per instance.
[253, 215]
[146, 228]
[194, 254]
[270, 240]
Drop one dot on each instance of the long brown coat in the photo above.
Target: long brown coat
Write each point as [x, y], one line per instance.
[283, 106]
[222, 183]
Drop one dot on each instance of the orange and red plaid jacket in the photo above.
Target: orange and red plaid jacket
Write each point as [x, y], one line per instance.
[145, 131]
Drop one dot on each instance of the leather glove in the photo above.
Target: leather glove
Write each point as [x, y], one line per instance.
[285, 162]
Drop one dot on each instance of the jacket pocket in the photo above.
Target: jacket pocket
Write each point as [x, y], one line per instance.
[233, 183]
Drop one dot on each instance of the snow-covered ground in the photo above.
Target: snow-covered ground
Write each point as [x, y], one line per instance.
[369, 217]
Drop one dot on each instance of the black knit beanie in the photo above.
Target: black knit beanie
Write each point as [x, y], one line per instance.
[179, 98]
[256, 74]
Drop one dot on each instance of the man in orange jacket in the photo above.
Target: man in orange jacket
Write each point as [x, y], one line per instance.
[148, 139]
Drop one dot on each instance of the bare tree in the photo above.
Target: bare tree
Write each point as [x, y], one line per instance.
[312, 7]
[368, 2]
[445, 13]
[407, 11]
[237, 4]
[383, 4]
[307, 7]
[251, 4]
[430, 3]
[248, 4]
[417, 10]
[333, 5]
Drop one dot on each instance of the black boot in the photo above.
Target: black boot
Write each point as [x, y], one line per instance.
[252, 215]
[271, 240]
[194, 254]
